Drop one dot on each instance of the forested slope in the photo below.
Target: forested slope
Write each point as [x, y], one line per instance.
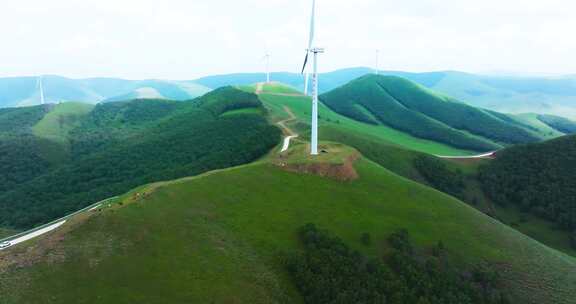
[193, 139]
[408, 107]
[538, 178]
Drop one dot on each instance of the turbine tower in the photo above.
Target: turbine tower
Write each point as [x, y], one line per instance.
[41, 88]
[306, 81]
[267, 58]
[315, 51]
[377, 68]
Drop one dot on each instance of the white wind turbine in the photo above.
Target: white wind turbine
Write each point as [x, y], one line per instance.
[41, 88]
[377, 67]
[315, 51]
[267, 58]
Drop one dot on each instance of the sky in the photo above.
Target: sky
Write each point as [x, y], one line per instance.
[186, 39]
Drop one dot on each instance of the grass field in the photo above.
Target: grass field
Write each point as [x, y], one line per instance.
[56, 125]
[243, 111]
[545, 231]
[7, 232]
[279, 88]
[194, 241]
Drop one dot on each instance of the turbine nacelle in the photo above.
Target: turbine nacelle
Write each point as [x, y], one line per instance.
[316, 50]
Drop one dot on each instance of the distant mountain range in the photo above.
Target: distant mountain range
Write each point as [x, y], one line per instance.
[23, 91]
[510, 94]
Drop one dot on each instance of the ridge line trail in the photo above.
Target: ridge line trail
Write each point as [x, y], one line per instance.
[291, 134]
[291, 117]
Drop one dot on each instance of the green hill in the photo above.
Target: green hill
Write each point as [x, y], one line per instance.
[408, 107]
[197, 241]
[230, 235]
[537, 179]
[151, 140]
[21, 153]
[506, 94]
[560, 124]
[402, 154]
[333, 125]
[55, 127]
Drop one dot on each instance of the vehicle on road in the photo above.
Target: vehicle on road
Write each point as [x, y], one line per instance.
[4, 245]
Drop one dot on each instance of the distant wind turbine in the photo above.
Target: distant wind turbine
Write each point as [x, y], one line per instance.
[41, 88]
[377, 67]
[267, 58]
[315, 51]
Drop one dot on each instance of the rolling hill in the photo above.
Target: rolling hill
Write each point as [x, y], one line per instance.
[410, 108]
[537, 179]
[230, 235]
[508, 94]
[193, 240]
[23, 91]
[118, 146]
[409, 157]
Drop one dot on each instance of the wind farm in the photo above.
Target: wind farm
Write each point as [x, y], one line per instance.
[205, 173]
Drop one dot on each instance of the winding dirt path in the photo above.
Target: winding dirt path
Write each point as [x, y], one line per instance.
[290, 134]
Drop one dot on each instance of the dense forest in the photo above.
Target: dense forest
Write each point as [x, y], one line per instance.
[439, 176]
[111, 123]
[538, 178]
[20, 155]
[195, 138]
[405, 106]
[329, 271]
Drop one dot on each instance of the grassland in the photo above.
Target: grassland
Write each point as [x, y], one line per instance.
[6, 232]
[388, 149]
[195, 241]
[55, 127]
[278, 88]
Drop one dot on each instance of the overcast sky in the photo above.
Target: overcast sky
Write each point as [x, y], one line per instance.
[185, 39]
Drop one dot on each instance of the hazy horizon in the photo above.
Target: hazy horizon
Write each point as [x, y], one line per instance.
[184, 40]
[503, 74]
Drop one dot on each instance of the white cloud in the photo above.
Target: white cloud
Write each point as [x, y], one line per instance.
[185, 39]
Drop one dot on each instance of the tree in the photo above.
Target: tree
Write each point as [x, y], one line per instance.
[366, 239]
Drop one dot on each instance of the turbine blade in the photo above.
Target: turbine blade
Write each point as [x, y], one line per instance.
[312, 25]
[305, 62]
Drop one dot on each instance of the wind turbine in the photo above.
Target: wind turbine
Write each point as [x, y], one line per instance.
[267, 58]
[315, 51]
[377, 68]
[41, 88]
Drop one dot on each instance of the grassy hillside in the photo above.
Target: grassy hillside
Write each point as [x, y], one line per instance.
[194, 138]
[332, 122]
[195, 241]
[54, 129]
[409, 107]
[401, 157]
